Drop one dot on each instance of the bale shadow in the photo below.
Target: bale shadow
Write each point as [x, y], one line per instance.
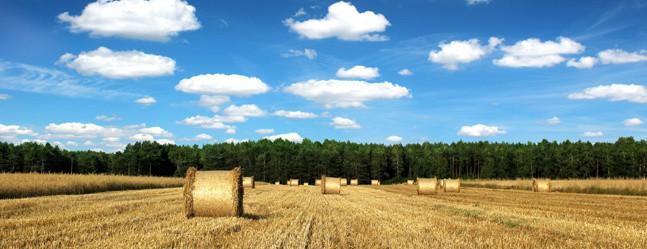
[254, 217]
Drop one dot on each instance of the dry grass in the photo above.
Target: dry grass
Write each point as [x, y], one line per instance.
[26, 185]
[361, 217]
[588, 186]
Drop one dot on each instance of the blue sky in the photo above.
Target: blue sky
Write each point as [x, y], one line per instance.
[84, 74]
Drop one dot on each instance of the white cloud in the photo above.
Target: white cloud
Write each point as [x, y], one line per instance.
[300, 12]
[265, 131]
[346, 93]
[311, 54]
[344, 22]
[202, 136]
[235, 141]
[109, 139]
[155, 20]
[222, 84]
[213, 102]
[230, 131]
[394, 139]
[142, 137]
[249, 110]
[15, 130]
[454, 53]
[295, 114]
[215, 122]
[146, 101]
[614, 92]
[4, 96]
[76, 129]
[583, 63]
[592, 134]
[156, 131]
[480, 130]
[107, 118]
[633, 122]
[344, 123]
[165, 141]
[553, 121]
[618, 56]
[533, 52]
[359, 72]
[292, 137]
[119, 64]
[405, 72]
[475, 2]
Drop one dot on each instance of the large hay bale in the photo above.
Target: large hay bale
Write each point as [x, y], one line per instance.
[306, 184]
[277, 183]
[450, 185]
[318, 182]
[541, 185]
[375, 182]
[248, 182]
[213, 193]
[293, 182]
[344, 181]
[330, 185]
[410, 182]
[354, 182]
[427, 186]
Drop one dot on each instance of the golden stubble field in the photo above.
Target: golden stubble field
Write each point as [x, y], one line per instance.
[300, 217]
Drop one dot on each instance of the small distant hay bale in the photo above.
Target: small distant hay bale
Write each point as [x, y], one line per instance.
[541, 185]
[452, 185]
[306, 184]
[427, 186]
[354, 182]
[410, 182]
[213, 193]
[277, 183]
[441, 184]
[318, 182]
[375, 182]
[293, 182]
[330, 185]
[344, 181]
[248, 182]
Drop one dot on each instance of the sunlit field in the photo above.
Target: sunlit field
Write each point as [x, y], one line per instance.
[589, 186]
[25, 185]
[387, 216]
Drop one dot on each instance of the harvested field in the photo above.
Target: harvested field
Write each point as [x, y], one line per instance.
[361, 217]
[588, 186]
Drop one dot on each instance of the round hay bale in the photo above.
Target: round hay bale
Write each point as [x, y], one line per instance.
[375, 182]
[410, 182]
[354, 182]
[213, 193]
[293, 182]
[318, 182]
[441, 184]
[427, 186]
[248, 182]
[330, 185]
[344, 181]
[450, 185]
[306, 184]
[541, 185]
[277, 183]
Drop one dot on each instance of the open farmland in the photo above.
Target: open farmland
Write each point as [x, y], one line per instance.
[300, 217]
[588, 186]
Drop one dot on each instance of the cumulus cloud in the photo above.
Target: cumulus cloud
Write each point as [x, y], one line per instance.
[480, 130]
[213, 102]
[583, 63]
[311, 54]
[265, 131]
[292, 137]
[76, 129]
[201, 137]
[553, 121]
[165, 141]
[300, 12]
[118, 64]
[295, 114]
[359, 72]
[405, 72]
[142, 137]
[156, 131]
[230, 131]
[215, 122]
[618, 56]
[154, 20]
[394, 139]
[344, 22]
[633, 122]
[146, 101]
[592, 134]
[108, 118]
[344, 123]
[346, 93]
[249, 110]
[222, 84]
[533, 52]
[15, 130]
[454, 53]
[4, 96]
[614, 92]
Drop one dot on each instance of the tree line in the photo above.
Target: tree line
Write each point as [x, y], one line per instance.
[280, 160]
